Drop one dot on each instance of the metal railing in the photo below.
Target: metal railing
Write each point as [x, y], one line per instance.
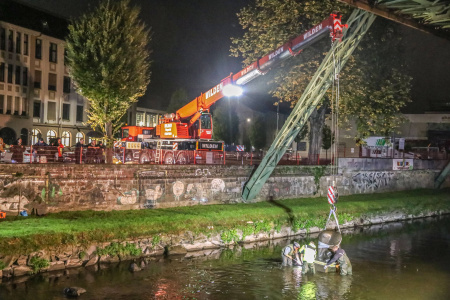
[97, 155]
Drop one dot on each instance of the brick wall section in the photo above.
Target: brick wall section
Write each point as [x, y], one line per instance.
[117, 187]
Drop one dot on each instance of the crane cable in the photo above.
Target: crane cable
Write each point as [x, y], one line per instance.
[332, 193]
[335, 116]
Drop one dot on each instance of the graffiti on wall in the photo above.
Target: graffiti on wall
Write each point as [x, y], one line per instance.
[217, 185]
[178, 189]
[301, 186]
[371, 181]
[152, 196]
[196, 192]
[130, 197]
[289, 186]
[159, 174]
[202, 172]
[12, 203]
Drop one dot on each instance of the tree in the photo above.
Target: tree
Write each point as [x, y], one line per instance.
[258, 133]
[302, 134]
[226, 122]
[327, 139]
[246, 140]
[109, 61]
[178, 99]
[368, 75]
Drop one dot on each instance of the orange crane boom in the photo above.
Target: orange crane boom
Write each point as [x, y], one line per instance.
[193, 120]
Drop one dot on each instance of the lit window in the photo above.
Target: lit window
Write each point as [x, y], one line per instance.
[139, 119]
[65, 138]
[51, 134]
[35, 135]
[79, 136]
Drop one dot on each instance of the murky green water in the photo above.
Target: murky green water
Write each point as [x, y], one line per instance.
[408, 260]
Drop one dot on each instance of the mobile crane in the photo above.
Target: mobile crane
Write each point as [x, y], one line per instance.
[191, 127]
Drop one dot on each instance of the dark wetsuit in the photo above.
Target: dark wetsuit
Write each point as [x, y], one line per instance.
[344, 263]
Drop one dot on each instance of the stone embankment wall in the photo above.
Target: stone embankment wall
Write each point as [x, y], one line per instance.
[188, 244]
[116, 187]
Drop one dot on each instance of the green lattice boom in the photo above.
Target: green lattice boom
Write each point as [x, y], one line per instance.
[358, 24]
[436, 13]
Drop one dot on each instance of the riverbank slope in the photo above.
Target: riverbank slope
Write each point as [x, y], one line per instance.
[81, 238]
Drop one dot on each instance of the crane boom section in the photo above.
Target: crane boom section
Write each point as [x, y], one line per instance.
[331, 26]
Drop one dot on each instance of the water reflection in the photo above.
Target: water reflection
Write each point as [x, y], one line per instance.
[394, 261]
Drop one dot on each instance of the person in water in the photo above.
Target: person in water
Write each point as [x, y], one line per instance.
[288, 252]
[342, 259]
[308, 255]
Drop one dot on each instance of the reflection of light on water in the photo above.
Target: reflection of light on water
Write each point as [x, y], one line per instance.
[307, 291]
[292, 279]
[393, 247]
[162, 290]
[297, 276]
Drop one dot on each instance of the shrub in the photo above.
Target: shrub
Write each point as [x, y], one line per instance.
[263, 226]
[247, 230]
[38, 263]
[82, 255]
[156, 240]
[229, 236]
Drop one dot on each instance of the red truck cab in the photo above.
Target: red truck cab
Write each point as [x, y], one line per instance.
[130, 133]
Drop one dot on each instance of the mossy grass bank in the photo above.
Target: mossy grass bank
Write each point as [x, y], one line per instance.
[24, 235]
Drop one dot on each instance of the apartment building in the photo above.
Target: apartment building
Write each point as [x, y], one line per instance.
[37, 96]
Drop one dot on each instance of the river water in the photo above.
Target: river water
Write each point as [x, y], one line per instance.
[408, 260]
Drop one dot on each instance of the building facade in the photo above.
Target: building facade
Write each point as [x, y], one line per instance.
[141, 116]
[37, 96]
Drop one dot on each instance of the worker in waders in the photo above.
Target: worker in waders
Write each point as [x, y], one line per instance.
[342, 259]
[307, 257]
[288, 253]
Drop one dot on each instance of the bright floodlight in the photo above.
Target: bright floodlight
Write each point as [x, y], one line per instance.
[231, 90]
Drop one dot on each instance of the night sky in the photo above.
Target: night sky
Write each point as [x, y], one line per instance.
[191, 42]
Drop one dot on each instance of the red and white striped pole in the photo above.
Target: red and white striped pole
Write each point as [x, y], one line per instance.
[331, 195]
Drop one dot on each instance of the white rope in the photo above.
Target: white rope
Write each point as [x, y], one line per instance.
[333, 211]
[335, 116]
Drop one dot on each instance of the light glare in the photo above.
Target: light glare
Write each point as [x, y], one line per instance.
[231, 90]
